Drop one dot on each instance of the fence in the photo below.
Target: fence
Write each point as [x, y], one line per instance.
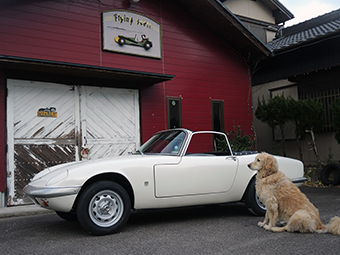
[326, 98]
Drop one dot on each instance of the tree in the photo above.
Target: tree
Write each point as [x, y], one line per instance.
[312, 121]
[296, 115]
[276, 113]
[307, 116]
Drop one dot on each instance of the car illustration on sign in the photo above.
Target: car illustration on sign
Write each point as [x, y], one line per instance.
[121, 40]
[174, 168]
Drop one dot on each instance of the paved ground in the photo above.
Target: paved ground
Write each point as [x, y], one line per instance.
[225, 229]
[23, 210]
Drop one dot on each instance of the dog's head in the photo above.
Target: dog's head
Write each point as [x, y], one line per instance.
[264, 164]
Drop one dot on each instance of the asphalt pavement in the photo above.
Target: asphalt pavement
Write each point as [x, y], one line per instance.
[32, 209]
[220, 230]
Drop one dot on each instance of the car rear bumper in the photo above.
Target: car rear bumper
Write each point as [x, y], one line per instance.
[299, 181]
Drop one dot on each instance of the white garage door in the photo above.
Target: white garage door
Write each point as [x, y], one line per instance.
[49, 124]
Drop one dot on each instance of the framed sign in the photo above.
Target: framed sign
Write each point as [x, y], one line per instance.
[131, 33]
[47, 112]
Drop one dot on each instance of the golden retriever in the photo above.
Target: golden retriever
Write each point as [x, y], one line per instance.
[285, 202]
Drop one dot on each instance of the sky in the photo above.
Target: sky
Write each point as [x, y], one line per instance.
[307, 9]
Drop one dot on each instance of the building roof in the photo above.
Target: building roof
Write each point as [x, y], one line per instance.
[307, 32]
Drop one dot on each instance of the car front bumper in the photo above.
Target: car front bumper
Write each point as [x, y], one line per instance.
[54, 198]
[49, 192]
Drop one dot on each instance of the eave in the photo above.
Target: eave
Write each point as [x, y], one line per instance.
[18, 66]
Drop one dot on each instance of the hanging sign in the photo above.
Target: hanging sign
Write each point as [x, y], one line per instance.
[131, 33]
[47, 112]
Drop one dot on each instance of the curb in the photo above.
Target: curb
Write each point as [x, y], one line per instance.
[22, 210]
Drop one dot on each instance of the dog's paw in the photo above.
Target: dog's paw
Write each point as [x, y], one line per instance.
[278, 229]
[261, 224]
[321, 231]
[281, 224]
[267, 227]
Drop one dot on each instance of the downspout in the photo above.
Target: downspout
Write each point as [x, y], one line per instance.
[2, 199]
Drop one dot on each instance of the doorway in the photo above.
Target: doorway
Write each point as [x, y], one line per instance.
[50, 124]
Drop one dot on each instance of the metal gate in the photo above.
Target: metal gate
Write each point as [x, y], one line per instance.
[50, 124]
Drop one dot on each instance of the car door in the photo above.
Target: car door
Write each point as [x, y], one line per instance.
[195, 175]
[205, 168]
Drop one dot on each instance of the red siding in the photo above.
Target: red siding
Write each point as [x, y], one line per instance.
[205, 67]
[2, 132]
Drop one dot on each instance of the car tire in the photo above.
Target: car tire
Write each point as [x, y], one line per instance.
[103, 208]
[121, 41]
[147, 45]
[253, 203]
[330, 174]
[67, 216]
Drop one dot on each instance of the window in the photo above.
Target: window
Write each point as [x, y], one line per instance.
[208, 144]
[217, 115]
[327, 98]
[174, 112]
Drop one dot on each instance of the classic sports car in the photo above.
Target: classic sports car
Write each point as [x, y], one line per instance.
[174, 168]
[121, 40]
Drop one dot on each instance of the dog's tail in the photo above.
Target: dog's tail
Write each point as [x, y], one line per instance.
[334, 226]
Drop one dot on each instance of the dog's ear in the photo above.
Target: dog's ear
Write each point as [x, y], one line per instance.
[271, 164]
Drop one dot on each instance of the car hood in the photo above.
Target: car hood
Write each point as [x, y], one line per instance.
[77, 172]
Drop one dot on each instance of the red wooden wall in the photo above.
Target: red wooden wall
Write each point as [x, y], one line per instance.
[2, 131]
[205, 67]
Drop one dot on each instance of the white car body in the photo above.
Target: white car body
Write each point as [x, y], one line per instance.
[157, 180]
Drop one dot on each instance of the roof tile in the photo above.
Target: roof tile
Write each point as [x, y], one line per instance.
[309, 30]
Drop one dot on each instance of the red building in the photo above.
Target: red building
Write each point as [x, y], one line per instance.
[85, 79]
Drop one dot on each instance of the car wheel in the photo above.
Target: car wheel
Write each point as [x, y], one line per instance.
[121, 41]
[103, 208]
[67, 216]
[147, 45]
[330, 174]
[253, 203]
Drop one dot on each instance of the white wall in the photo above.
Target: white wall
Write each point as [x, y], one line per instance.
[252, 9]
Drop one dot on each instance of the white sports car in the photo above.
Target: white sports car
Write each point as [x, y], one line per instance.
[174, 168]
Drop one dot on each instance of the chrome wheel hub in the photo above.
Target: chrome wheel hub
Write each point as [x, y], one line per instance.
[260, 203]
[106, 208]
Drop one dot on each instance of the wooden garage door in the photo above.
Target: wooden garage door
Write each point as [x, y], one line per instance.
[50, 124]
[109, 121]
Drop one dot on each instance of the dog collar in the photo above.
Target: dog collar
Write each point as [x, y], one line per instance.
[268, 175]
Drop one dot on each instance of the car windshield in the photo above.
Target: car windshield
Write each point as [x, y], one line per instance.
[169, 142]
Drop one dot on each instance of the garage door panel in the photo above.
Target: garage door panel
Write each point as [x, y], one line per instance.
[29, 97]
[110, 121]
[31, 159]
[111, 113]
[106, 120]
[111, 150]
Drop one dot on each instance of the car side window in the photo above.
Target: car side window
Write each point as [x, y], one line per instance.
[208, 144]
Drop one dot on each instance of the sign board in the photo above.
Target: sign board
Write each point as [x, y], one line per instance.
[131, 33]
[47, 112]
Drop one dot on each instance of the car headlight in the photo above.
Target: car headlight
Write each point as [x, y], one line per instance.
[57, 178]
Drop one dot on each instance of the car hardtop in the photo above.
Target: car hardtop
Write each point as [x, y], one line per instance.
[185, 142]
